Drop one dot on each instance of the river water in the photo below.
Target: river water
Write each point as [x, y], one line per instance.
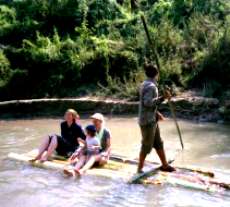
[206, 145]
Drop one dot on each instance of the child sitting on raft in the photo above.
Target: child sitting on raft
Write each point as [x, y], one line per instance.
[88, 148]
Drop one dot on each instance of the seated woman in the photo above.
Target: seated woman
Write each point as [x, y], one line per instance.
[104, 137]
[65, 144]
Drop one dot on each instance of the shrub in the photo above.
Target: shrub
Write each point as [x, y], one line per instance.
[4, 69]
[215, 68]
[101, 10]
[60, 48]
[160, 9]
[64, 15]
[7, 21]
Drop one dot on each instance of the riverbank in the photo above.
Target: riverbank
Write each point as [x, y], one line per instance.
[187, 106]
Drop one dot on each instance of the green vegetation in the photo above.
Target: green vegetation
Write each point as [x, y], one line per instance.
[59, 48]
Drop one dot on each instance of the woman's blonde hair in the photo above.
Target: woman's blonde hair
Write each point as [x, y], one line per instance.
[74, 113]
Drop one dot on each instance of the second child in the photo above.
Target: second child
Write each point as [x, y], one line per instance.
[89, 147]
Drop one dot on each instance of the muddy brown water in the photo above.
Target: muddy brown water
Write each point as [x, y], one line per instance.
[206, 145]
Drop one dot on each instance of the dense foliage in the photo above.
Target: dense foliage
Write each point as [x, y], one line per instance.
[69, 47]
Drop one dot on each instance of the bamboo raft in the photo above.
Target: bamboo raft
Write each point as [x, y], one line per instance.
[120, 167]
[117, 167]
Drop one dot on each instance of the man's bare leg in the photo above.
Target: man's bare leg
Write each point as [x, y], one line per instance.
[162, 156]
[103, 161]
[141, 162]
[165, 166]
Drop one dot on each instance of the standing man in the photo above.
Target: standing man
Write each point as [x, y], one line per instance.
[149, 101]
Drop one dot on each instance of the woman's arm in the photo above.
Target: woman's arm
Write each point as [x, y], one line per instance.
[95, 145]
[81, 141]
[80, 136]
[62, 129]
[108, 148]
[81, 133]
[76, 154]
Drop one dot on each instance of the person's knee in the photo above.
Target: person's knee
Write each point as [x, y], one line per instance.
[92, 159]
[146, 149]
[52, 143]
[46, 139]
[159, 145]
[53, 138]
[102, 162]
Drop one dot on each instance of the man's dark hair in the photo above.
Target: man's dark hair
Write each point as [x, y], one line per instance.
[150, 70]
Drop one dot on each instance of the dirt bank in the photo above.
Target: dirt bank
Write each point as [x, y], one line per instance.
[189, 107]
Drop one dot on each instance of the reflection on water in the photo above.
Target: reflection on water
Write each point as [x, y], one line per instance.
[206, 145]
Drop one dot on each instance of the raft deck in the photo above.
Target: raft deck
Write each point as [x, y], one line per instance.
[123, 168]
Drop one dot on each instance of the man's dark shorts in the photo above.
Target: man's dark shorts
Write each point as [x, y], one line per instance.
[150, 138]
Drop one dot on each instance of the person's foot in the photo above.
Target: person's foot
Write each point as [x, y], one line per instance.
[43, 159]
[38, 157]
[167, 168]
[32, 160]
[77, 173]
[139, 171]
[69, 172]
[80, 172]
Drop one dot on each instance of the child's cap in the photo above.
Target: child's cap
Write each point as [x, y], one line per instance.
[91, 128]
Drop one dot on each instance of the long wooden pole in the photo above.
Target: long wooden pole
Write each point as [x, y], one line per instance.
[176, 123]
[158, 65]
[150, 41]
